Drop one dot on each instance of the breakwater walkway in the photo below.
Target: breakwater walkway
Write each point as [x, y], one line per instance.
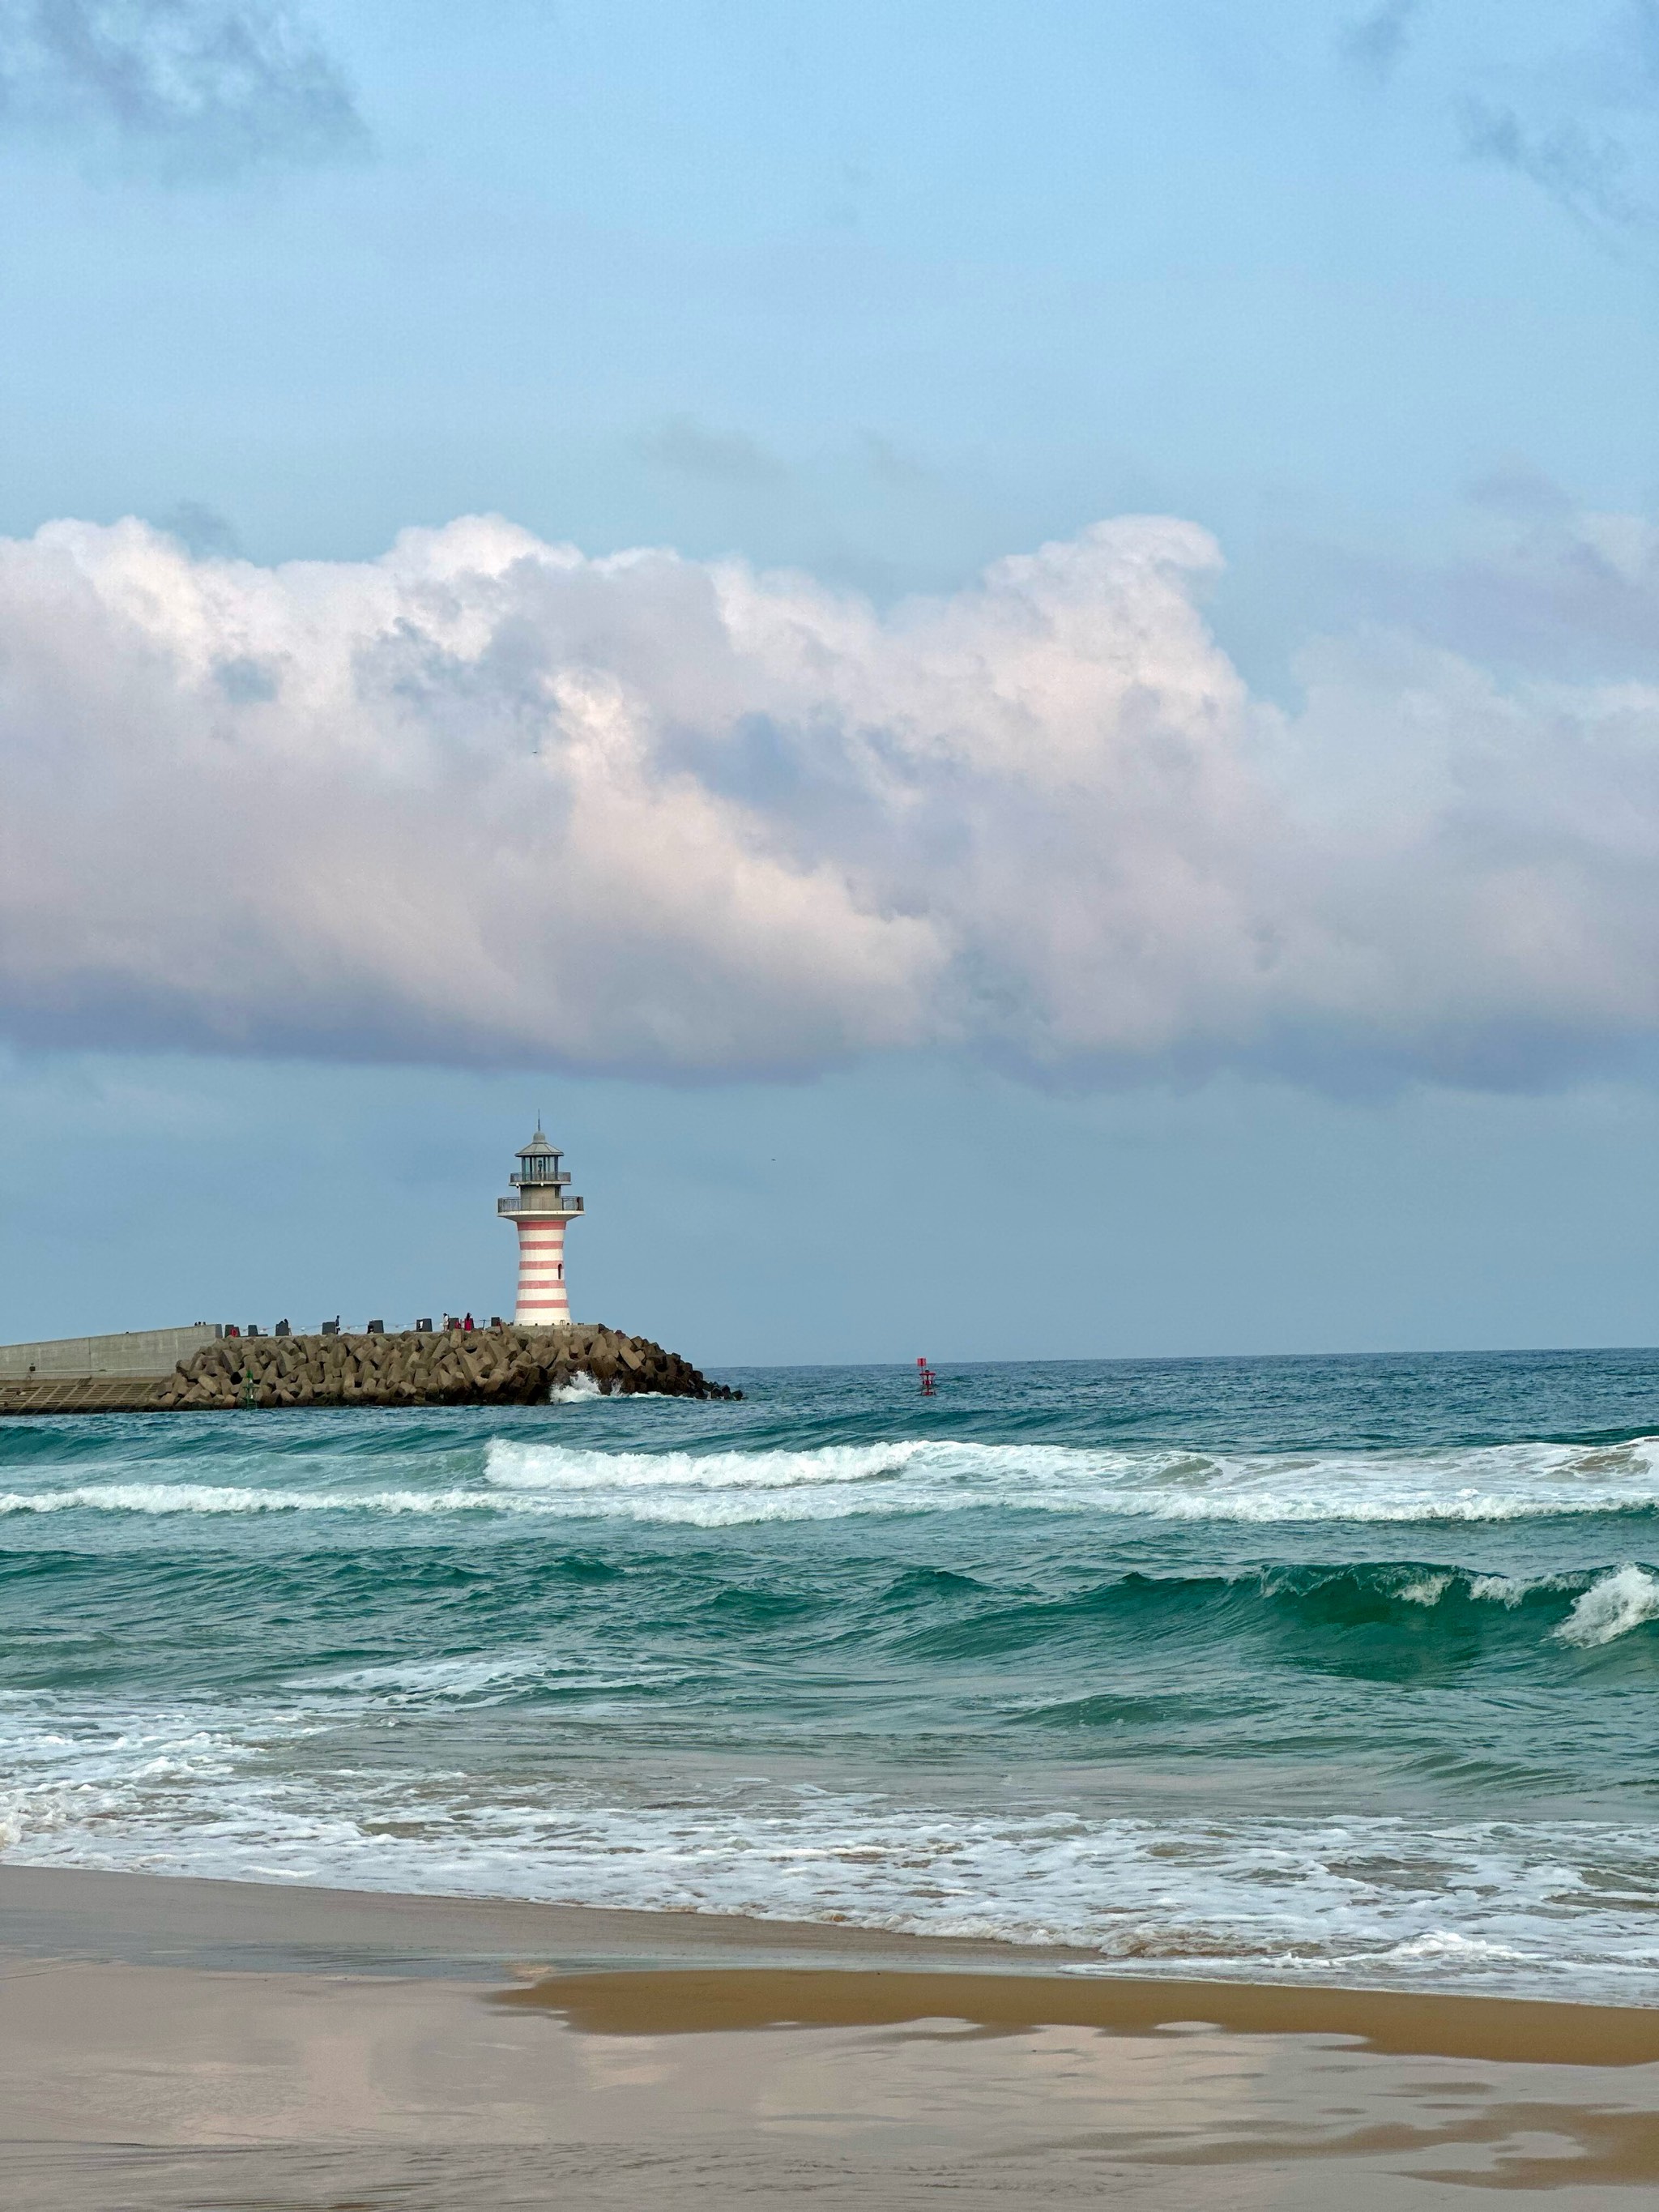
[442, 1367]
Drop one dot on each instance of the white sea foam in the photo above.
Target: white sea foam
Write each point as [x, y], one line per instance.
[227, 1497]
[1428, 1589]
[1507, 1590]
[717, 1489]
[726, 1488]
[471, 1676]
[1612, 1608]
[1493, 1903]
[552, 1468]
[451, 1678]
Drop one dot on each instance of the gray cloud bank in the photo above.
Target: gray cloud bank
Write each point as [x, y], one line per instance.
[191, 87]
[485, 800]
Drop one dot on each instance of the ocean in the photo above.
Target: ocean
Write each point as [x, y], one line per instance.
[1335, 1668]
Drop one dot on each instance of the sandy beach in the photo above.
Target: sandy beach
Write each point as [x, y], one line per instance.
[173, 2043]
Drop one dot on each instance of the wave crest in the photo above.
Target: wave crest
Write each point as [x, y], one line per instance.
[911, 1475]
[1612, 1608]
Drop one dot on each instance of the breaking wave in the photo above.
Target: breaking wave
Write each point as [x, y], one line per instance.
[1612, 1608]
[1494, 1483]
[724, 1488]
[1559, 1906]
[190, 1498]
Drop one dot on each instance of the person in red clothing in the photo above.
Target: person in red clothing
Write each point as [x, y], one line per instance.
[467, 1325]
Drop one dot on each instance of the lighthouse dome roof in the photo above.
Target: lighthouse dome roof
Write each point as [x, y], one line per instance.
[538, 1143]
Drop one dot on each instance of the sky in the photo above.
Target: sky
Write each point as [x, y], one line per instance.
[1004, 657]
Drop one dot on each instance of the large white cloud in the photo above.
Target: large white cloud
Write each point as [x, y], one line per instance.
[485, 800]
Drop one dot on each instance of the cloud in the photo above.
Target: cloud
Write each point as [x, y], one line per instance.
[487, 801]
[713, 456]
[1565, 99]
[1587, 173]
[201, 529]
[1377, 42]
[1572, 591]
[189, 87]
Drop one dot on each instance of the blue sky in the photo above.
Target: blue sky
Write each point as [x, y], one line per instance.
[1307, 1006]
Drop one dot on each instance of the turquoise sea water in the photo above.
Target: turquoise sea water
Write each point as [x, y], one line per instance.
[1343, 1669]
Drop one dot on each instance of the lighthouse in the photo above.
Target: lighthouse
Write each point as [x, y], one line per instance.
[538, 1206]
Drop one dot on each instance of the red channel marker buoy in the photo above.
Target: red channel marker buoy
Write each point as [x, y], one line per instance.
[929, 1380]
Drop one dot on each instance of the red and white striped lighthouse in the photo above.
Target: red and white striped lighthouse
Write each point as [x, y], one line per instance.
[539, 1208]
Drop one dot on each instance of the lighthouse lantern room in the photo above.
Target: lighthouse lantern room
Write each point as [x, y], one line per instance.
[539, 1206]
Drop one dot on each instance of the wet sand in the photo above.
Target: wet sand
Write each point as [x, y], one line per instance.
[173, 2044]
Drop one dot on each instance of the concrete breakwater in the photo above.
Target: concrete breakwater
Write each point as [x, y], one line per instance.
[141, 1352]
[493, 1367]
[476, 1367]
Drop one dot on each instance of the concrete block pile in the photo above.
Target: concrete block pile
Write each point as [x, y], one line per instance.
[476, 1367]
